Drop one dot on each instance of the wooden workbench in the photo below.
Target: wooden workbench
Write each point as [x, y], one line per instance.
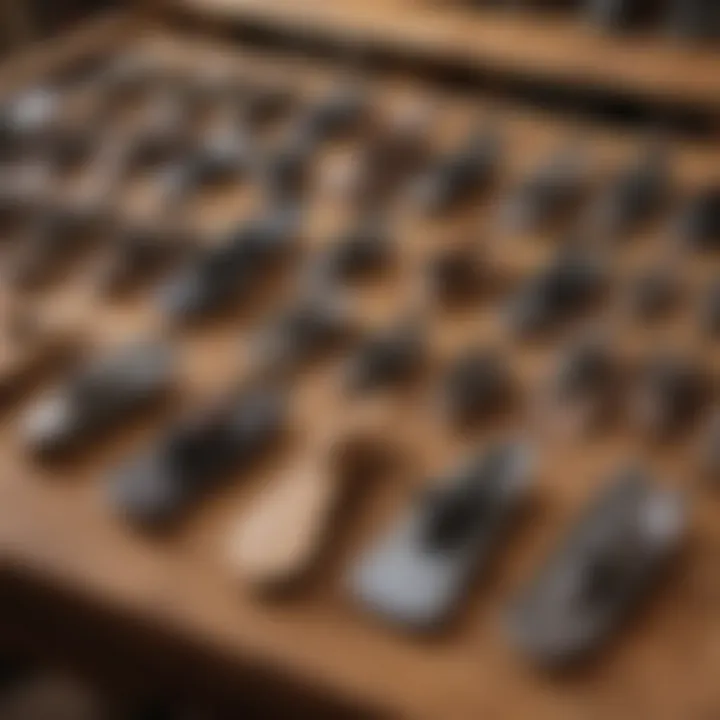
[59, 538]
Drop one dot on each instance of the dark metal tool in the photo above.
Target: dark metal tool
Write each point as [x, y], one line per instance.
[586, 386]
[197, 455]
[99, 397]
[669, 395]
[419, 572]
[600, 572]
[477, 385]
[699, 222]
[461, 174]
[302, 333]
[565, 288]
[230, 270]
[387, 358]
[634, 194]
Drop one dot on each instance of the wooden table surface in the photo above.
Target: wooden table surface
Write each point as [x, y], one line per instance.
[553, 48]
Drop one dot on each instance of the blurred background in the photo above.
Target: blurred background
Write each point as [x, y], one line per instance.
[23, 21]
[38, 683]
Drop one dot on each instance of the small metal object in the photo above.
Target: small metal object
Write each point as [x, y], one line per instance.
[225, 273]
[600, 572]
[699, 222]
[30, 114]
[552, 191]
[669, 395]
[139, 252]
[196, 456]
[566, 287]
[99, 397]
[586, 367]
[635, 194]
[477, 384]
[461, 174]
[223, 156]
[151, 149]
[456, 275]
[387, 358]
[359, 253]
[417, 575]
[163, 137]
[334, 115]
[585, 387]
[310, 328]
[286, 170]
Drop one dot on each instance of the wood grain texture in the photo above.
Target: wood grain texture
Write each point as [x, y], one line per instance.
[57, 526]
[556, 49]
[276, 541]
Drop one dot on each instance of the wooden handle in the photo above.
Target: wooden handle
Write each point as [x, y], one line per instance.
[278, 539]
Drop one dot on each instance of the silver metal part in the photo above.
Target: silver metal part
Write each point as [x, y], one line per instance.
[600, 571]
[417, 574]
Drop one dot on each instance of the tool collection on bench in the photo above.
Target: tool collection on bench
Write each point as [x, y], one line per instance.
[312, 281]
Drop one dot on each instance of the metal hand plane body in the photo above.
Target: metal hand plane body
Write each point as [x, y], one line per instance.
[600, 571]
[561, 291]
[586, 386]
[196, 456]
[100, 397]
[635, 194]
[334, 115]
[358, 254]
[139, 253]
[477, 385]
[418, 573]
[459, 175]
[229, 271]
[302, 333]
[387, 359]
